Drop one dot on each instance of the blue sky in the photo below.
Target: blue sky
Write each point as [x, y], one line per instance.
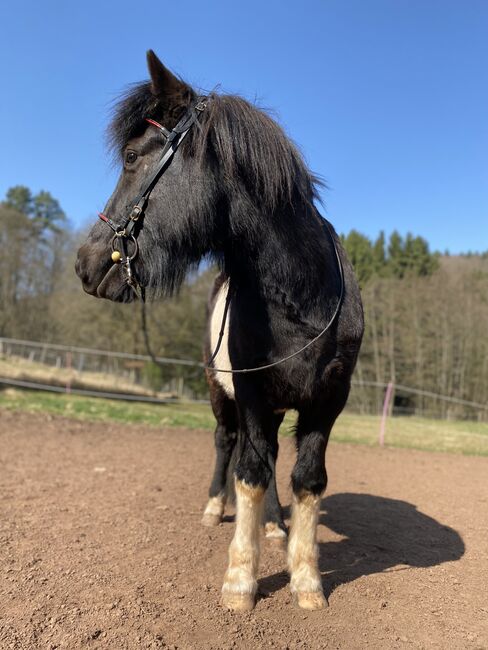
[387, 99]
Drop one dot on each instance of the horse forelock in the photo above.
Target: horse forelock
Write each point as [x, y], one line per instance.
[136, 104]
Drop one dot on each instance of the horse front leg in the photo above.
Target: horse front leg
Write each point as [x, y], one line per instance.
[252, 475]
[240, 584]
[309, 480]
[305, 583]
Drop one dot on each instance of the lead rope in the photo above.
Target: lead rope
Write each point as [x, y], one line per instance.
[207, 366]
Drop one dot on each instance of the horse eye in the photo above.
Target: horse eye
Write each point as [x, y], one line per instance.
[130, 157]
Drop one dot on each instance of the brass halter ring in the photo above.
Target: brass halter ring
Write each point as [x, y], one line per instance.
[128, 258]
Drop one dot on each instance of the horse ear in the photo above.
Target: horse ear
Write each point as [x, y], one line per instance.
[163, 82]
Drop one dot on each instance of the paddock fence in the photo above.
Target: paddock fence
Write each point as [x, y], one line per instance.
[34, 365]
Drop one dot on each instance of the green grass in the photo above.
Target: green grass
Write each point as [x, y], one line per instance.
[195, 416]
[462, 437]
[410, 432]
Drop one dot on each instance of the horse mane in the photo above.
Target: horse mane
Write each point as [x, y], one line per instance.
[252, 149]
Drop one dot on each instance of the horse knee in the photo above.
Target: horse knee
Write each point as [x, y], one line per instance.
[312, 479]
[309, 474]
[252, 466]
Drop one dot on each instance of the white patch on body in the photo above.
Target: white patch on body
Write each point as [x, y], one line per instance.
[222, 360]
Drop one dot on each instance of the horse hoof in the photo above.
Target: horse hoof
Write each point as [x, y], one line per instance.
[275, 535]
[280, 543]
[311, 600]
[238, 602]
[211, 520]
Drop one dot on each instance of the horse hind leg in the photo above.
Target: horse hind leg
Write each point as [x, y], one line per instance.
[274, 526]
[225, 440]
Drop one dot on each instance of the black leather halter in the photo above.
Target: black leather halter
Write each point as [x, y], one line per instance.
[128, 230]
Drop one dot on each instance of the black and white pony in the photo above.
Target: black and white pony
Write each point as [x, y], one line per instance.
[238, 191]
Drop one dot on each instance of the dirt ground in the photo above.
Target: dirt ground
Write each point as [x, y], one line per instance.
[101, 546]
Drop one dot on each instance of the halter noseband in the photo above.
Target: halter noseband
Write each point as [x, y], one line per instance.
[127, 231]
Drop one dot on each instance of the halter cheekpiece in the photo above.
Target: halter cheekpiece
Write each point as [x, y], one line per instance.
[125, 233]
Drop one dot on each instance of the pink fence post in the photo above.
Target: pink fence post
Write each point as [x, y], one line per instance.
[68, 367]
[386, 409]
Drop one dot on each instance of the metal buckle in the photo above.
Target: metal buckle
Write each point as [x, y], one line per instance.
[136, 213]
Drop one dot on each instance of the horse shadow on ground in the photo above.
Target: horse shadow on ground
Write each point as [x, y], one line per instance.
[378, 534]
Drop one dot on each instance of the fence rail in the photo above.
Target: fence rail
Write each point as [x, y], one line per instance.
[128, 397]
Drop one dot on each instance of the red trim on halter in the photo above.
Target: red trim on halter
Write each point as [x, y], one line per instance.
[154, 123]
[103, 217]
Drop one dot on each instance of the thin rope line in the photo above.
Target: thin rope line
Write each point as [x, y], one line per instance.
[293, 354]
[207, 366]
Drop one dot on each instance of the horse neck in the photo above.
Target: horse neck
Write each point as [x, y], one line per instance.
[288, 255]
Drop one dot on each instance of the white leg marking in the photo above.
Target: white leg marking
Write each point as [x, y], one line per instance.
[240, 583]
[271, 529]
[222, 360]
[214, 511]
[305, 581]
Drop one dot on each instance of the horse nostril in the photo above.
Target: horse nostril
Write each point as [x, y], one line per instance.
[80, 271]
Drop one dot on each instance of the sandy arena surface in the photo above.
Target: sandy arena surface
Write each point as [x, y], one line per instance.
[101, 546]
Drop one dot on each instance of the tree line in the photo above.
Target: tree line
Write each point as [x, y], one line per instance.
[396, 258]
[426, 313]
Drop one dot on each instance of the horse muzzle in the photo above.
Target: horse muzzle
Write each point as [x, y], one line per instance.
[100, 275]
